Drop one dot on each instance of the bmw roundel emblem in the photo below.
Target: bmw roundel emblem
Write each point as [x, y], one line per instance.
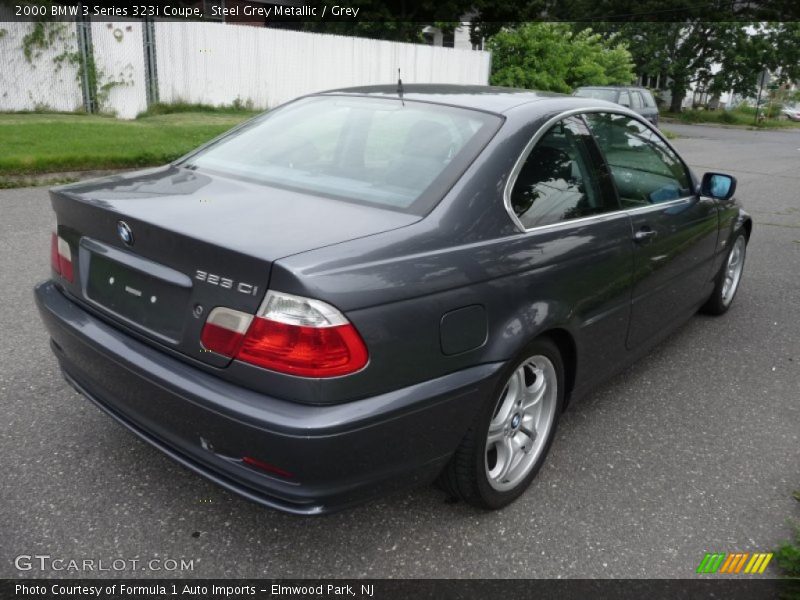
[125, 233]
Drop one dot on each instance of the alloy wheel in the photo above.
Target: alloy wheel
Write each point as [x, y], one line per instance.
[733, 270]
[521, 423]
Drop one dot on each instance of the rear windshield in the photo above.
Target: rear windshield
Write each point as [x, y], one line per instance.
[400, 155]
[598, 94]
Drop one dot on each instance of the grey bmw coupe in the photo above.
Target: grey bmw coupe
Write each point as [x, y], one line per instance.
[371, 288]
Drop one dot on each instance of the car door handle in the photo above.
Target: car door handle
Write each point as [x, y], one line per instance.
[644, 235]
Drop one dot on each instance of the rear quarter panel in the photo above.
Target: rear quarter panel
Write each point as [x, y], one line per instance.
[395, 287]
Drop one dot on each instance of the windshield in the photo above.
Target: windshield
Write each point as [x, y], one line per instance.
[599, 94]
[368, 150]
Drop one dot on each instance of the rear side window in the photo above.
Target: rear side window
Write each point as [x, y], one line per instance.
[560, 178]
[645, 170]
[393, 154]
[649, 101]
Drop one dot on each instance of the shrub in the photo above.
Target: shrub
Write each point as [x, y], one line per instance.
[550, 57]
[691, 116]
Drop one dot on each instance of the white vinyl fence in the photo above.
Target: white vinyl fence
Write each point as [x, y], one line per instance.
[214, 63]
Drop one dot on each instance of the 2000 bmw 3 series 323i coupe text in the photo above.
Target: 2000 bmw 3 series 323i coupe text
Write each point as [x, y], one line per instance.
[357, 292]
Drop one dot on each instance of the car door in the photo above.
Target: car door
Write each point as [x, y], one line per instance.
[674, 229]
[562, 196]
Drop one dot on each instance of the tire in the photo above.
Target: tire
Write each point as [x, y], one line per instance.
[475, 473]
[728, 278]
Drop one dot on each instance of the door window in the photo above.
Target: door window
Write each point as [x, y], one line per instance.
[561, 178]
[645, 170]
[625, 99]
[636, 100]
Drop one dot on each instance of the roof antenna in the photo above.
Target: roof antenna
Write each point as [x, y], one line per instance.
[400, 87]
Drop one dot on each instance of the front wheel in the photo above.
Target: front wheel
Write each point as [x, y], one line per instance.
[507, 445]
[729, 277]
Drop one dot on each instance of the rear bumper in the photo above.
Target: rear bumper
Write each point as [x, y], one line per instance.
[338, 455]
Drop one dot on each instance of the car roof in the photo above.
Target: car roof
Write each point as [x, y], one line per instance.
[479, 97]
[611, 87]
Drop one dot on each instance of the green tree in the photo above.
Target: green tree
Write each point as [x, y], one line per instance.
[757, 47]
[684, 52]
[716, 56]
[550, 56]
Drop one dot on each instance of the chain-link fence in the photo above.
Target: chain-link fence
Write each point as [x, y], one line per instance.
[39, 67]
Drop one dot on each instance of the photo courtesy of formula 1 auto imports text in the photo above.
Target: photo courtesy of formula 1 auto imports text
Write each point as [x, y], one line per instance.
[379, 300]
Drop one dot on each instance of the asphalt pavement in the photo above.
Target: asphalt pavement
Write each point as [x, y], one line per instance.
[694, 449]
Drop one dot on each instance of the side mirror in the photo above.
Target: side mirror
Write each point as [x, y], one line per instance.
[718, 185]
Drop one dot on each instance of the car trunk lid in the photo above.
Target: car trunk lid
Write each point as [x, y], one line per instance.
[196, 241]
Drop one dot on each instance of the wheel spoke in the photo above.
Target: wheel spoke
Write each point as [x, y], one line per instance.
[737, 256]
[505, 458]
[528, 426]
[513, 391]
[523, 440]
[496, 433]
[534, 393]
[518, 441]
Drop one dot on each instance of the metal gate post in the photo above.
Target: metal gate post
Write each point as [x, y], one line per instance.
[83, 30]
[150, 66]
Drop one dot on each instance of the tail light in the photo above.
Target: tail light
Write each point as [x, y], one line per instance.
[224, 330]
[61, 257]
[289, 334]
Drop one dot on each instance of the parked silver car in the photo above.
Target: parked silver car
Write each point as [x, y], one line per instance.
[638, 99]
[793, 112]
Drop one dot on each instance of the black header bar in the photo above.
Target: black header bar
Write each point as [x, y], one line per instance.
[353, 11]
[409, 589]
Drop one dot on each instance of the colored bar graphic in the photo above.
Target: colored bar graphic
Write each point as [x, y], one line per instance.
[724, 562]
[732, 559]
[713, 566]
[741, 562]
[703, 563]
[765, 563]
[711, 562]
[749, 568]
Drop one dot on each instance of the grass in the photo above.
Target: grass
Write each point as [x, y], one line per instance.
[788, 554]
[36, 143]
[236, 108]
[743, 117]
